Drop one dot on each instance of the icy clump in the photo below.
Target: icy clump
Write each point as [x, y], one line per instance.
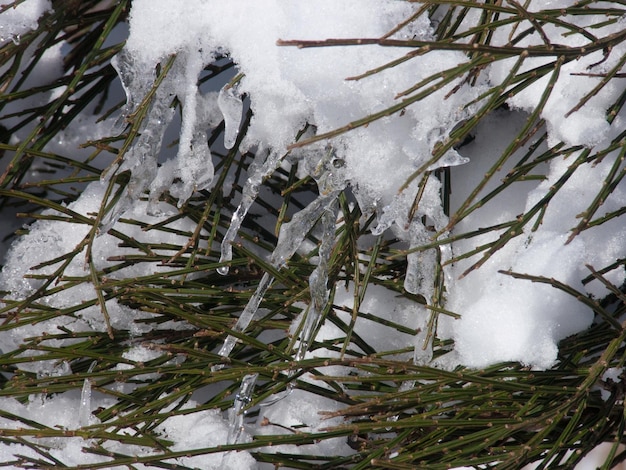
[22, 18]
[284, 97]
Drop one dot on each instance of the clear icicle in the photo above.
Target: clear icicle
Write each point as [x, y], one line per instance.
[84, 411]
[242, 399]
[318, 281]
[194, 165]
[420, 264]
[293, 232]
[135, 83]
[289, 239]
[262, 166]
[423, 349]
[318, 286]
[246, 316]
[237, 414]
[141, 158]
[231, 106]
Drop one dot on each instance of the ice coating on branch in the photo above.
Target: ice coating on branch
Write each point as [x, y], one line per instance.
[231, 106]
[237, 413]
[420, 264]
[290, 238]
[84, 411]
[318, 281]
[262, 166]
[246, 316]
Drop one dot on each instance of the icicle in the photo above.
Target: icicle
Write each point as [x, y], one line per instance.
[237, 414]
[246, 316]
[84, 411]
[242, 399]
[135, 83]
[319, 294]
[231, 106]
[420, 274]
[261, 168]
[193, 161]
[293, 232]
[141, 158]
[318, 281]
[289, 239]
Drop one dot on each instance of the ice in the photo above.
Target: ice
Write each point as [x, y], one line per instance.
[135, 82]
[242, 399]
[318, 281]
[84, 411]
[289, 239]
[420, 264]
[262, 166]
[231, 106]
[246, 316]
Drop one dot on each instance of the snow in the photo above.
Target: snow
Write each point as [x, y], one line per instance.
[502, 318]
[22, 18]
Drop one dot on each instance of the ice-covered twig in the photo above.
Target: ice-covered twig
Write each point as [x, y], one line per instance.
[243, 397]
[246, 316]
[318, 280]
[319, 293]
[291, 236]
[262, 166]
[237, 414]
[420, 264]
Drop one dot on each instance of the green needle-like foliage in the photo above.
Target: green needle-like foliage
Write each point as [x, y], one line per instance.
[505, 416]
